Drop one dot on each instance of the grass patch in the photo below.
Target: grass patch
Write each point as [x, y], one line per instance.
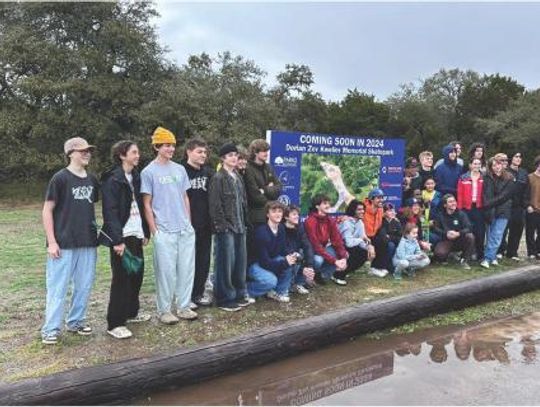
[22, 261]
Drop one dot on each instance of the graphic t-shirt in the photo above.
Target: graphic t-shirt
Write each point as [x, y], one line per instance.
[73, 214]
[133, 226]
[167, 184]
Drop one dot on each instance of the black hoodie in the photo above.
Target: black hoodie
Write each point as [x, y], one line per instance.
[117, 197]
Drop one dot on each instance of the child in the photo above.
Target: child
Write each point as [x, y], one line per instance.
[409, 257]
[391, 228]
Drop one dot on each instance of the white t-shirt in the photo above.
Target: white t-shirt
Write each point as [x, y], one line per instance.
[133, 226]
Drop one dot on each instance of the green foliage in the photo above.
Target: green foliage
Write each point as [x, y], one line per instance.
[97, 70]
[359, 174]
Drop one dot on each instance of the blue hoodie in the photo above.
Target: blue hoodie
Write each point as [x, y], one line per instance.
[448, 173]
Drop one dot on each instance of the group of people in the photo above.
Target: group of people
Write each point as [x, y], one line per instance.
[261, 247]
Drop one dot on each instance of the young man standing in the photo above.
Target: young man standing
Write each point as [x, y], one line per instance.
[447, 174]
[70, 227]
[262, 185]
[228, 213]
[532, 231]
[199, 177]
[166, 206]
[274, 268]
[123, 228]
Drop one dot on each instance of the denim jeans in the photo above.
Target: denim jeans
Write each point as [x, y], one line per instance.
[77, 266]
[230, 268]
[299, 278]
[494, 238]
[174, 268]
[325, 269]
[261, 281]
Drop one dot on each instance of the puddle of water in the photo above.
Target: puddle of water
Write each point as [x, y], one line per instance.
[488, 364]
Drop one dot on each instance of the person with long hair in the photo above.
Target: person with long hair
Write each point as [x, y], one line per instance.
[478, 150]
[516, 223]
[124, 228]
[497, 203]
[469, 199]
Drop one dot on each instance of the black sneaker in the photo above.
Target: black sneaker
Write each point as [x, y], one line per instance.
[244, 302]
[232, 307]
[83, 330]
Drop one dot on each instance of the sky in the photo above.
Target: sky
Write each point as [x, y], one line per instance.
[374, 47]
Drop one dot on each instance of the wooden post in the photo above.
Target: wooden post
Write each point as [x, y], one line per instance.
[125, 381]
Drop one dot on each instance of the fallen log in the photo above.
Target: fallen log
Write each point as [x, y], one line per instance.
[125, 381]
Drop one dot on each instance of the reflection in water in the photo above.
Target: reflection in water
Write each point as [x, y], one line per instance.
[336, 375]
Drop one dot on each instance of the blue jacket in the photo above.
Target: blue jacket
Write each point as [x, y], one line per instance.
[447, 174]
[407, 249]
[271, 249]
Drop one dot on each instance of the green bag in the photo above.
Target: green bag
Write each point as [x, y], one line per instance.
[131, 263]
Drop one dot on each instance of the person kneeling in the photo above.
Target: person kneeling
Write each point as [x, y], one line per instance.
[273, 270]
[409, 257]
[455, 228]
[330, 254]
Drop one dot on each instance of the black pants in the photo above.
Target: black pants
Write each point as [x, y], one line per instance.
[532, 233]
[465, 244]
[380, 242]
[203, 247]
[476, 217]
[357, 257]
[124, 298]
[514, 231]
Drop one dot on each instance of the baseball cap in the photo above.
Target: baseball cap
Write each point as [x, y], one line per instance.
[77, 144]
[375, 193]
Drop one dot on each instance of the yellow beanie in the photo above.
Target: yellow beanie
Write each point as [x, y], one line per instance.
[163, 136]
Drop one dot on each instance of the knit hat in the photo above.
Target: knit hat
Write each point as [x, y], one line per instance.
[77, 144]
[163, 136]
[227, 148]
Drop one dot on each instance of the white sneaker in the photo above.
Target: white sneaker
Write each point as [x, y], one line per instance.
[484, 264]
[168, 318]
[193, 306]
[186, 313]
[141, 317]
[277, 297]
[532, 257]
[499, 256]
[300, 289]
[516, 258]
[338, 281]
[495, 263]
[378, 272]
[120, 332]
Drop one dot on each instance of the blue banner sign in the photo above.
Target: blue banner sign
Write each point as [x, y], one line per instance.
[342, 167]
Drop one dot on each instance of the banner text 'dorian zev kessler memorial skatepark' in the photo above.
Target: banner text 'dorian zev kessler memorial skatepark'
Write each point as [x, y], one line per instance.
[342, 167]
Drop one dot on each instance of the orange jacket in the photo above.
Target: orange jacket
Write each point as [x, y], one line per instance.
[372, 221]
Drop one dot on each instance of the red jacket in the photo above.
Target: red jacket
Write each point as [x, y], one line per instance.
[322, 230]
[464, 192]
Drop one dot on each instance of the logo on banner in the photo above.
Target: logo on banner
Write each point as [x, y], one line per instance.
[285, 161]
[284, 177]
[394, 170]
[284, 199]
